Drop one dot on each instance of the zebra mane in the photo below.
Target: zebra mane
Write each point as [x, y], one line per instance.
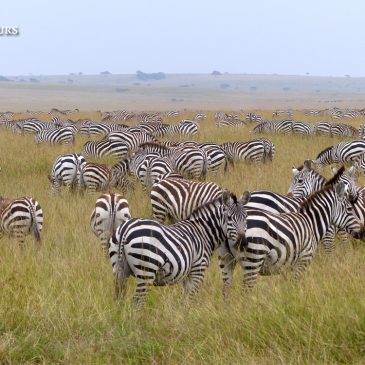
[335, 178]
[214, 201]
[308, 202]
[324, 151]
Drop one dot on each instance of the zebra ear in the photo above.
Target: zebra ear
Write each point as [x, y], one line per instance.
[308, 164]
[341, 189]
[228, 198]
[245, 197]
[295, 171]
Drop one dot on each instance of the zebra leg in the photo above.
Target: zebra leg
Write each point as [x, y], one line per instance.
[328, 240]
[227, 264]
[192, 283]
[301, 265]
[251, 268]
[143, 282]
[20, 237]
[343, 236]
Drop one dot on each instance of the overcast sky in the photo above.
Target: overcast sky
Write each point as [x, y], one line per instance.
[322, 37]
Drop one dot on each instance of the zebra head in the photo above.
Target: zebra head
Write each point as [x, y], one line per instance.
[236, 218]
[305, 181]
[344, 215]
[348, 177]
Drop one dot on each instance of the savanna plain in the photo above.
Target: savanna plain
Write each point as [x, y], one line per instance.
[57, 305]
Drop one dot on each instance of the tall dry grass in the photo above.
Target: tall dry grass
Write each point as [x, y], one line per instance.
[56, 303]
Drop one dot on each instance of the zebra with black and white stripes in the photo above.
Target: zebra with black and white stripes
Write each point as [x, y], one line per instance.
[156, 254]
[131, 140]
[65, 171]
[277, 240]
[185, 127]
[341, 153]
[111, 210]
[284, 126]
[64, 135]
[174, 198]
[105, 148]
[256, 150]
[19, 217]
[254, 118]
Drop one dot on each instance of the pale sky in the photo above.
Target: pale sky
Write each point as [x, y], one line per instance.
[322, 37]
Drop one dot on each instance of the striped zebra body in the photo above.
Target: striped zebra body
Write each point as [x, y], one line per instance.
[101, 129]
[200, 116]
[94, 177]
[257, 150]
[105, 148]
[232, 123]
[111, 210]
[277, 240]
[189, 161]
[284, 126]
[157, 254]
[20, 217]
[341, 153]
[132, 140]
[174, 198]
[62, 135]
[278, 113]
[303, 128]
[185, 127]
[254, 118]
[217, 157]
[65, 171]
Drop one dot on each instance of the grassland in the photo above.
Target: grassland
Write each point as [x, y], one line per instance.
[56, 303]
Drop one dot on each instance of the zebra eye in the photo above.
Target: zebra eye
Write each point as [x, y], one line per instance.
[300, 181]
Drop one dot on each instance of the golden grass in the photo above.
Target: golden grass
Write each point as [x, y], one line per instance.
[56, 304]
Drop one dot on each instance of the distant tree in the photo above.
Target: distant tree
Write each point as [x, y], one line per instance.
[105, 73]
[216, 73]
[121, 90]
[32, 79]
[3, 78]
[150, 76]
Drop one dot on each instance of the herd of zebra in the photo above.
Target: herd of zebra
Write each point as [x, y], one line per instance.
[191, 218]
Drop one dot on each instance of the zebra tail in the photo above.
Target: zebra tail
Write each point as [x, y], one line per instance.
[35, 230]
[81, 182]
[119, 270]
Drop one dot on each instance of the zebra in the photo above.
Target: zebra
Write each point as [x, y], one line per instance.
[361, 131]
[284, 126]
[336, 129]
[303, 128]
[101, 129]
[341, 153]
[234, 123]
[277, 113]
[111, 210]
[98, 177]
[255, 118]
[158, 254]
[217, 156]
[200, 116]
[105, 148]
[190, 161]
[275, 240]
[174, 198]
[256, 150]
[62, 135]
[186, 127]
[19, 217]
[65, 171]
[132, 140]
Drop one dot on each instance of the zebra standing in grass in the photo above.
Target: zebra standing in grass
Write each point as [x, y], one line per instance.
[254, 118]
[131, 140]
[185, 127]
[256, 150]
[93, 129]
[217, 156]
[65, 171]
[341, 153]
[277, 113]
[19, 217]
[190, 161]
[111, 210]
[284, 126]
[157, 254]
[232, 122]
[62, 135]
[174, 198]
[97, 177]
[276, 240]
[105, 148]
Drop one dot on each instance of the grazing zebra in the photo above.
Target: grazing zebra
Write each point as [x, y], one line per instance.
[157, 254]
[111, 210]
[341, 153]
[275, 240]
[200, 116]
[336, 129]
[185, 127]
[256, 150]
[97, 177]
[284, 126]
[19, 217]
[131, 140]
[217, 156]
[65, 171]
[62, 135]
[277, 113]
[234, 123]
[190, 161]
[254, 118]
[174, 198]
[105, 148]
[92, 129]
[303, 128]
